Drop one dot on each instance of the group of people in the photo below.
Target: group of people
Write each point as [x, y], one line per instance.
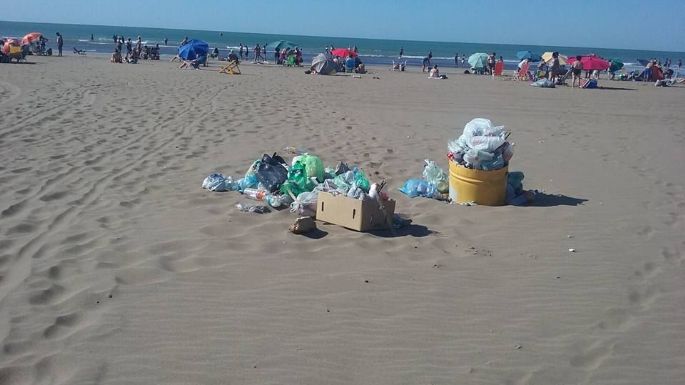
[133, 52]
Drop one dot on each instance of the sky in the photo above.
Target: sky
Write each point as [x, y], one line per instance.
[626, 24]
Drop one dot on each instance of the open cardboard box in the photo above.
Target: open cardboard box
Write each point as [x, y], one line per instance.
[354, 214]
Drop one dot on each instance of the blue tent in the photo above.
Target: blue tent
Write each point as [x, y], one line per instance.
[193, 49]
[532, 57]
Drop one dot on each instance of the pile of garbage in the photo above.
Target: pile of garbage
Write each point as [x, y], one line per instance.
[481, 146]
[271, 180]
[434, 184]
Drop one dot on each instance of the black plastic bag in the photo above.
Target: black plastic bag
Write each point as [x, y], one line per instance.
[272, 172]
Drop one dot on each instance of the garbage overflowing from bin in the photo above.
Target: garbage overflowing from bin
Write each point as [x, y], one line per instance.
[478, 170]
[353, 201]
[481, 146]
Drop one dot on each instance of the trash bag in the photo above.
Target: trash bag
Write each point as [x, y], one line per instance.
[361, 180]
[297, 181]
[419, 187]
[435, 175]
[271, 172]
[314, 166]
[218, 182]
[305, 204]
[543, 83]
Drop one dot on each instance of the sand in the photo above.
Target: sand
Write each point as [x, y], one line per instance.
[117, 268]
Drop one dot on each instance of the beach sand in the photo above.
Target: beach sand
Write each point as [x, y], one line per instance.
[117, 268]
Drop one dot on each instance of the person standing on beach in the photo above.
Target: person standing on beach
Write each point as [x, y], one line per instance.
[430, 57]
[401, 52]
[92, 38]
[426, 64]
[129, 46]
[241, 51]
[139, 45]
[60, 43]
[115, 38]
[166, 40]
[456, 59]
[554, 68]
[680, 63]
[492, 61]
[247, 52]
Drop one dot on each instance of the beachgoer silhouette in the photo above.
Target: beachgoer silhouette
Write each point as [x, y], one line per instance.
[60, 43]
[92, 37]
[166, 41]
[401, 52]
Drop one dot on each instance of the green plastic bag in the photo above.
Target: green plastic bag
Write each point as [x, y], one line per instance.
[314, 166]
[298, 181]
[361, 180]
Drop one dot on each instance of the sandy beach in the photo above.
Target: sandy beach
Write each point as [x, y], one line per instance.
[117, 268]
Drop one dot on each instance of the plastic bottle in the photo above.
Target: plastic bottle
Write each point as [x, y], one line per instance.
[254, 193]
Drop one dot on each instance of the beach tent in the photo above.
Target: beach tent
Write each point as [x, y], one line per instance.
[547, 58]
[591, 63]
[322, 65]
[280, 44]
[532, 57]
[478, 60]
[31, 37]
[193, 49]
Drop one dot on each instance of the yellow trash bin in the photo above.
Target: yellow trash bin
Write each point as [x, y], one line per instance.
[487, 188]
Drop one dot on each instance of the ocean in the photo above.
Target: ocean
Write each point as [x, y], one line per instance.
[371, 51]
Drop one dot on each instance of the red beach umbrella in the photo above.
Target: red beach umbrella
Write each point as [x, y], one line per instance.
[30, 38]
[591, 63]
[343, 52]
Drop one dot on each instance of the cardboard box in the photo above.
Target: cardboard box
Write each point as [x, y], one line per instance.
[354, 214]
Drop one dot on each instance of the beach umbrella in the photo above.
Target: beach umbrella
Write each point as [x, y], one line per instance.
[193, 49]
[616, 65]
[343, 52]
[532, 57]
[31, 37]
[280, 44]
[591, 63]
[547, 58]
[478, 60]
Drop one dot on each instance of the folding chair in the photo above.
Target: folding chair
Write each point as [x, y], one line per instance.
[523, 73]
[231, 68]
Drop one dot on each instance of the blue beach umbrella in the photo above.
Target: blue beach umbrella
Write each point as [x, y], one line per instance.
[193, 49]
[478, 60]
[532, 57]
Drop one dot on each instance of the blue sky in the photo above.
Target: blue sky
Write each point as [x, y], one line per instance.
[653, 24]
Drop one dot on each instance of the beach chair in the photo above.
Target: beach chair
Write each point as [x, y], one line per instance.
[523, 73]
[231, 68]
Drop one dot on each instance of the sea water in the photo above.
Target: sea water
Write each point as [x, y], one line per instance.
[371, 51]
